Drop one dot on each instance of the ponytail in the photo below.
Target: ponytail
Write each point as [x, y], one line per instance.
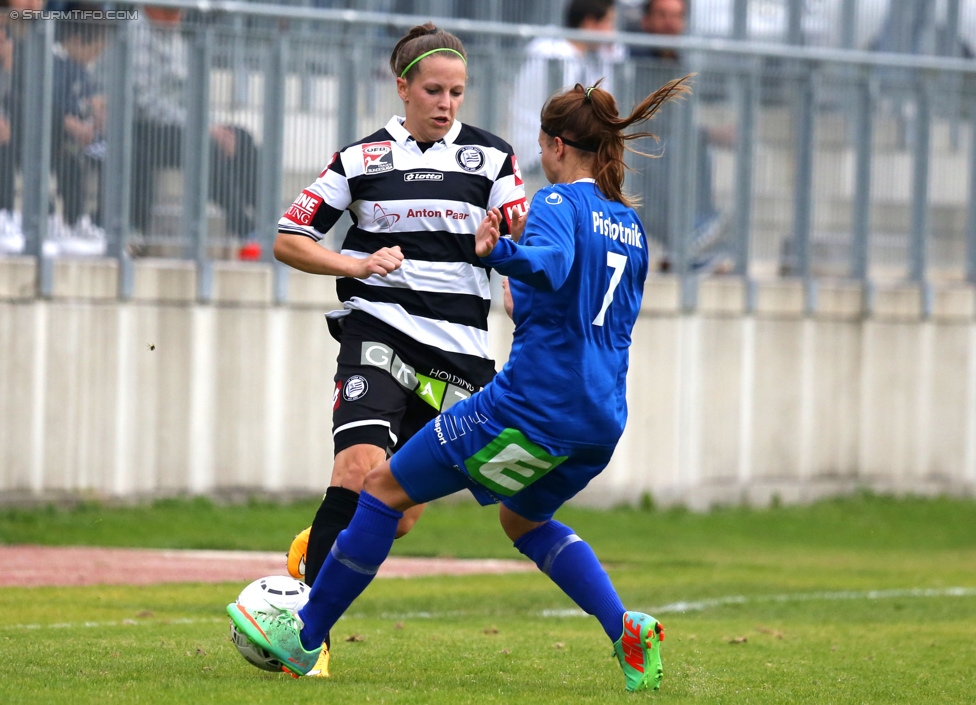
[588, 119]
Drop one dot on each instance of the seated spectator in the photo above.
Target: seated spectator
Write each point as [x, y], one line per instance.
[78, 120]
[12, 68]
[159, 63]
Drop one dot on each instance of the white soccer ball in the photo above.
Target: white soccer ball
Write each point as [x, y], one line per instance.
[279, 592]
[252, 653]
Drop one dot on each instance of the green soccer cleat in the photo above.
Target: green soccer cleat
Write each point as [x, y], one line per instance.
[276, 631]
[639, 651]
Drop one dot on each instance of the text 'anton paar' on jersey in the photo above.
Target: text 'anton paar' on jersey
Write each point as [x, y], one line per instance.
[616, 230]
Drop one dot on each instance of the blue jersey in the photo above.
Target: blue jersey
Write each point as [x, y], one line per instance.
[577, 280]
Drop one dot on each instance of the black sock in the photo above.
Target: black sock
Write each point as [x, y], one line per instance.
[333, 516]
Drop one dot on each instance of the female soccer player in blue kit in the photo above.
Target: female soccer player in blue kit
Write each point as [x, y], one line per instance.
[548, 423]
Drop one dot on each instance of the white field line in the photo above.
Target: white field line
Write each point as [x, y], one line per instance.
[670, 608]
[701, 605]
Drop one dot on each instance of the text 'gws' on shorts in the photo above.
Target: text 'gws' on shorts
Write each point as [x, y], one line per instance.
[382, 400]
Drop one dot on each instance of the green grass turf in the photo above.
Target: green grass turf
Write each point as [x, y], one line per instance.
[846, 601]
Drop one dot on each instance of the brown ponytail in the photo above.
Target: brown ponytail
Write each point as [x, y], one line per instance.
[587, 118]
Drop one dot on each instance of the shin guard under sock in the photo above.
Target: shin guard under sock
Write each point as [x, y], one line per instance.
[350, 566]
[570, 563]
[334, 515]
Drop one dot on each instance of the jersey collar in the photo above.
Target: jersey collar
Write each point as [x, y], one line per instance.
[399, 133]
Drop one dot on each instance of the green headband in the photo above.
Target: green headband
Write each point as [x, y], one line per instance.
[432, 51]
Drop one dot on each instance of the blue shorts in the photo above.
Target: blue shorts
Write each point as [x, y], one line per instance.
[467, 447]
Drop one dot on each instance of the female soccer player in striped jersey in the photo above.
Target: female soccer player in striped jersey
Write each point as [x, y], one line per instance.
[413, 328]
[548, 423]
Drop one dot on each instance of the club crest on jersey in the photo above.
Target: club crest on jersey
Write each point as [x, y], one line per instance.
[377, 157]
[355, 388]
[303, 209]
[384, 220]
[470, 158]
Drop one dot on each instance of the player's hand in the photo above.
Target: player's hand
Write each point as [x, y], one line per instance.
[382, 262]
[488, 233]
[518, 222]
[507, 299]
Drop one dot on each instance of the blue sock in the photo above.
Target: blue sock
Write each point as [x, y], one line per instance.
[570, 562]
[350, 566]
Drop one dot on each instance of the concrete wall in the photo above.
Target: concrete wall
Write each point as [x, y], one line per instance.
[162, 395]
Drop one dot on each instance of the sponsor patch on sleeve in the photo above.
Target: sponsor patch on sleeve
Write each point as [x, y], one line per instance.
[512, 207]
[331, 162]
[517, 172]
[303, 209]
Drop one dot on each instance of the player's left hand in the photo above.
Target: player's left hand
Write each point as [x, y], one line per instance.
[518, 222]
[507, 300]
[488, 233]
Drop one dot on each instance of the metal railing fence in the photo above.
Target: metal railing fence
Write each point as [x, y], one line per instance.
[189, 139]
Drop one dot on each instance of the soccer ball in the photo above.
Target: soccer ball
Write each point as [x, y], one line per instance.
[277, 591]
[252, 653]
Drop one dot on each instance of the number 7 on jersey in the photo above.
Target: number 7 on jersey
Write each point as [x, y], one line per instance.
[617, 262]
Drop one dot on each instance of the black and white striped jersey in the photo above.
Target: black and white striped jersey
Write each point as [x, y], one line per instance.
[429, 202]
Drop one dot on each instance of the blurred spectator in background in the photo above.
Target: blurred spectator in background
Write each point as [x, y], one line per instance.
[918, 28]
[665, 17]
[159, 64]
[12, 68]
[77, 134]
[581, 62]
[657, 65]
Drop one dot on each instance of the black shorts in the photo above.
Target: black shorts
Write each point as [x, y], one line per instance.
[388, 386]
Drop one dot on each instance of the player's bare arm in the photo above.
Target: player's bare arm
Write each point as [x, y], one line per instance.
[305, 254]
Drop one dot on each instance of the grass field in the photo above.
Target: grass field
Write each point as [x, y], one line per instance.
[862, 600]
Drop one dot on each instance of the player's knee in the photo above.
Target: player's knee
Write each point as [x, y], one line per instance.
[410, 517]
[353, 464]
[514, 525]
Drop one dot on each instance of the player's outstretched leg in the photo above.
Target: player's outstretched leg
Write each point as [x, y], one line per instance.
[351, 565]
[639, 651]
[296, 569]
[309, 549]
[571, 564]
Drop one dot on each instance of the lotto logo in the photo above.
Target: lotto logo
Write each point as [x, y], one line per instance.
[303, 209]
[377, 157]
[423, 176]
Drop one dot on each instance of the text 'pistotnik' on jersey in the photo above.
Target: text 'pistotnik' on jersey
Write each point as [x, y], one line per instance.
[628, 234]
